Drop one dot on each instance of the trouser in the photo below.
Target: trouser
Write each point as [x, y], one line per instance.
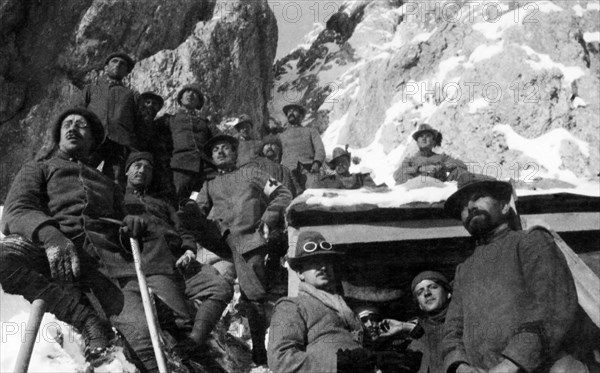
[24, 270]
[186, 182]
[198, 302]
[303, 179]
[114, 156]
[250, 270]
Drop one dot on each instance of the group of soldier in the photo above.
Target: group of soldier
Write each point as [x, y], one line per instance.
[114, 170]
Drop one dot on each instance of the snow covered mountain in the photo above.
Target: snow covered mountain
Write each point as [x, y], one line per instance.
[512, 85]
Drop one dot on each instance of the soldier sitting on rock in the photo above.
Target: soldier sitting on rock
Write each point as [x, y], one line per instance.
[342, 178]
[189, 133]
[247, 147]
[426, 162]
[114, 104]
[164, 242]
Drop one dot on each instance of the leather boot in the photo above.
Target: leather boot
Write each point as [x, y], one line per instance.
[258, 323]
[207, 316]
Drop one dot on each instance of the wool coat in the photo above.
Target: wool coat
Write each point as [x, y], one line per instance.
[305, 336]
[247, 150]
[278, 172]
[430, 344]
[239, 200]
[165, 240]
[115, 105]
[70, 195]
[189, 133]
[513, 298]
[301, 144]
[410, 167]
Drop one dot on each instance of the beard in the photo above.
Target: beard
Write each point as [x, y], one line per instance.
[147, 114]
[479, 223]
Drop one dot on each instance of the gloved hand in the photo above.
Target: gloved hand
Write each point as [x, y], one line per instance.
[430, 169]
[135, 226]
[316, 166]
[61, 253]
[184, 261]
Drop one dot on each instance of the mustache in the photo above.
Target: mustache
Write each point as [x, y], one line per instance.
[71, 133]
[474, 213]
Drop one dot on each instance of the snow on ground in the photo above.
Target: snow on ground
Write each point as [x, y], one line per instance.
[58, 347]
[477, 104]
[543, 61]
[547, 7]
[593, 5]
[545, 150]
[483, 52]
[590, 37]
[494, 30]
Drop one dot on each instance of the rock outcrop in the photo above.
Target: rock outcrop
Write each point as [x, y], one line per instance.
[50, 50]
[467, 69]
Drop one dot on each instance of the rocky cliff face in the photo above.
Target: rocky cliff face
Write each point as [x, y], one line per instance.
[49, 50]
[512, 85]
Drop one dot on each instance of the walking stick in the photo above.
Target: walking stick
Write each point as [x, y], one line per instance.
[148, 308]
[33, 325]
[146, 301]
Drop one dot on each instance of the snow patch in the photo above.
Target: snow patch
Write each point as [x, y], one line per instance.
[578, 10]
[578, 102]
[545, 150]
[312, 36]
[422, 37]
[591, 36]
[483, 52]
[570, 73]
[593, 5]
[332, 134]
[548, 7]
[477, 104]
[494, 30]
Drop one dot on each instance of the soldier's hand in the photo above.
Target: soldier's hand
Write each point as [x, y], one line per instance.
[61, 253]
[135, 226]
[184, 261]
[316, 166]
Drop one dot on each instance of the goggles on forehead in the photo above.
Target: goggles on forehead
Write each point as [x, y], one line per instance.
[373, 317]
[310, 246]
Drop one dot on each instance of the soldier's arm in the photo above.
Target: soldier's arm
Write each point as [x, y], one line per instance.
[407, 170]
[287, 336]
[552, 302]
[453, 348]
[318, 146]
[26, 205]
[277, 195]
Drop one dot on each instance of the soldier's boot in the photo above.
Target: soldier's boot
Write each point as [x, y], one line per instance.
[207, 316]
[258, 323]
[98, 336]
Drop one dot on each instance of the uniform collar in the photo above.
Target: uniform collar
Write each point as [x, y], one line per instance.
[498, 233]
[114, 82]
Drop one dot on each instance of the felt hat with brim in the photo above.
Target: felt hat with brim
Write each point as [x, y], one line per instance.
[312, 244]
[244, 118]
[366, 310]
[437, 136]
[191, 87]
[337, 154]
[92, 120]
[432, 276]
[218, 138]
[468, 183]
[287, 108]
[129, 60]
[136, 156]
[153, 96]
[270, 139]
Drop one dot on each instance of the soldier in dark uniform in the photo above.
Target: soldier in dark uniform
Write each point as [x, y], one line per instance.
[189, 132]
[166, 245]
[114, 104]
[57, 205]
